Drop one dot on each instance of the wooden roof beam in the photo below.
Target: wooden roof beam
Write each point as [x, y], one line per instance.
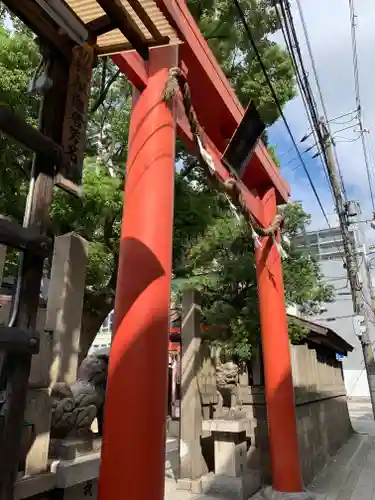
[123, 47]
[40, 23]
[100, 26]
[148, 22]
[123, 21]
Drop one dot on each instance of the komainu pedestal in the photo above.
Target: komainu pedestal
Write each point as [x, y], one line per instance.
[268, 493]
[232, 479]
[75, 407]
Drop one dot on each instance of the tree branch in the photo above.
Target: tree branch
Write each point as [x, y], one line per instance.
[102, 96]
[104, 74]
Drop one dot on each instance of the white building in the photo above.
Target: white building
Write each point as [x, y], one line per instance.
[326, 246]
[104, 335]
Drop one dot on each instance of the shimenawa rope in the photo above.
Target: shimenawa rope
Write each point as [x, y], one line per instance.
[176, 82]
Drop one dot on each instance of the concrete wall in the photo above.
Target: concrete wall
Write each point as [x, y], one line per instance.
[322, 415]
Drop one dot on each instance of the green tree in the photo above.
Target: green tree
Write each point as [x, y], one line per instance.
[97, 215]
[222, 267]
[18, 59]
[220, 23]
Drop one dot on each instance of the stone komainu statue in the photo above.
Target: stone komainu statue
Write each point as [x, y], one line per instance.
[75, 407]
[227, 384]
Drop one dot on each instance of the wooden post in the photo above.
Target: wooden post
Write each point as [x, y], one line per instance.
[3, 254]
[16, 369]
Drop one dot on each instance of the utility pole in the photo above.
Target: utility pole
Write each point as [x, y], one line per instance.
[351, 259]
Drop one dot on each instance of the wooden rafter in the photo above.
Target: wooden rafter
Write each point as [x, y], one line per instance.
[148, 22]
[123, 21]
[123, 47]
[100, 26]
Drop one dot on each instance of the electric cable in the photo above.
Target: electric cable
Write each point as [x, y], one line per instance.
[358, 97]
[288, 19]
[335, 122]
[335, 118]
[255, 48]
[305, 91]
[277, 102]
[291, 40]
[319, 88]
[346, 139]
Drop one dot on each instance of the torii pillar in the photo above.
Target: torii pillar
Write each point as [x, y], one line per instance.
[281, 415]
[133, 451]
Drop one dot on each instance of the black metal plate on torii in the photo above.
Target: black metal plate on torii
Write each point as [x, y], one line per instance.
[20, 341]
[244, 140]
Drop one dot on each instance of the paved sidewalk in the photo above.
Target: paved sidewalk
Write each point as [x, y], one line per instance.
[361, 415]
[350, 476]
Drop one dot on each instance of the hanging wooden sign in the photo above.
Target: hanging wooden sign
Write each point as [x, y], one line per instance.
[75, 119]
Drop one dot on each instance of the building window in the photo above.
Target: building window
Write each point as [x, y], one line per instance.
[107, 323]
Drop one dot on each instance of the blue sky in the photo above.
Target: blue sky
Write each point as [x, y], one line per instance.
[328, 24]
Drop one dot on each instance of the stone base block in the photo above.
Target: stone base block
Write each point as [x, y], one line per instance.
[192, 485]
[38, 414]
[268, 493]
[80, 491]
[173, 428]
[71, 448]
[231, 488]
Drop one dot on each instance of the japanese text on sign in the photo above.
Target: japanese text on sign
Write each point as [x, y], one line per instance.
[76, 110]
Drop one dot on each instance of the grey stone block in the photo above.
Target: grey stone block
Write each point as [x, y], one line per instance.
[173, 428]
[268, 493]
[72, 472]
[196, 486]
[231, 488]
[183, 484]
[71, 448]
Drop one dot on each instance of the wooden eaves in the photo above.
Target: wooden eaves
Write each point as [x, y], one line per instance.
[321, 334]
[113, 25]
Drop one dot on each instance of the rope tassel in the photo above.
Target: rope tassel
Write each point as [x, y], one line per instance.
[233, 208]
[255, 237]
[206, 156]
[279, 248]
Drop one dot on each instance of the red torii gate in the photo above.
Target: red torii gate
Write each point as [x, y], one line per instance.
[133, 453]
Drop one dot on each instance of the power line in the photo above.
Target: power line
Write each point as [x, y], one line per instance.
[302, 81]
[335, 122]
[317, 83]
[346, 139]
[354, 112]
[358, 96]
[277, 102]
[323, 132]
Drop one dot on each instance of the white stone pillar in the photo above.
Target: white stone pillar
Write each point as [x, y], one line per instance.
[65, 302]
[192, 464]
